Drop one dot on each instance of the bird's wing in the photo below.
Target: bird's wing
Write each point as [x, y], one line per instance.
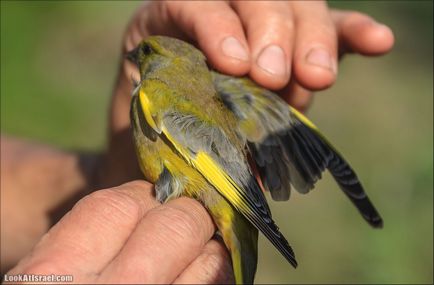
[207, 149]
[287, 147]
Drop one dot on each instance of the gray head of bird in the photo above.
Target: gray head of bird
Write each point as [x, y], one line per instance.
[156, 52]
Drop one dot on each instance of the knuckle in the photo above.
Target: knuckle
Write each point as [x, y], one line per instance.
[174, 8]
[288, 24]
[190, 11]
[110, 203]
[280, 18]
[177, 222]
[218, 19]
[138, 185]
[319, 25]
[213, 263]
[277, 21]
[215, 267]
[320, 32]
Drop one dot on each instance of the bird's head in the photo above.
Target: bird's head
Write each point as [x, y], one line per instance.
[159, 51]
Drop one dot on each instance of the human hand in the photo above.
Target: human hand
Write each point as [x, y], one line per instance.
[305, 37]
[306, 40]
[122, 235]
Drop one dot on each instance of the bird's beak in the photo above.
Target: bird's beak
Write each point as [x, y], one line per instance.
[133, 55]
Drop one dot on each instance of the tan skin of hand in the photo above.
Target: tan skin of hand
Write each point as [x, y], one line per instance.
[120, 234]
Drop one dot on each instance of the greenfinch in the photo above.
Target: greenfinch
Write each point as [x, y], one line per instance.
[195, 132]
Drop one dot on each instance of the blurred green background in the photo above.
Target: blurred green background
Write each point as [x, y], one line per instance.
[58, 65]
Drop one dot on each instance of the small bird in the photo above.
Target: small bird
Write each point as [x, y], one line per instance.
[195, 131]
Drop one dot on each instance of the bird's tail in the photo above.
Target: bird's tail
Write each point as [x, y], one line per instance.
[241, 239]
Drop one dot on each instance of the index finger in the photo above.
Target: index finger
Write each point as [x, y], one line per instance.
[217, 30]
[164, 243]
[92, 233]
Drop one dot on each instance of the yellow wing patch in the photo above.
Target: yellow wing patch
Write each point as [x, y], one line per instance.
[146, 107]
[303, 118]
[213, 173]
[220, 179]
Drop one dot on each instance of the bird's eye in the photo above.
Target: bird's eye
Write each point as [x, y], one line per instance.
[146, 49]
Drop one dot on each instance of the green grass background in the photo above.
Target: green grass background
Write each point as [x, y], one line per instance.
[58, 65]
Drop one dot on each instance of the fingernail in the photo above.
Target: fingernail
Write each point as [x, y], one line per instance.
[320, 57]
[233, 48]
[272, 59]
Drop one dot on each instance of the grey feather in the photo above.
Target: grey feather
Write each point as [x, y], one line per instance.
[286, 150]
[198, 136]
[163, 186]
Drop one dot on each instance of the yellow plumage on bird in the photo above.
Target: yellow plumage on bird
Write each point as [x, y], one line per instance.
[194, 129]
